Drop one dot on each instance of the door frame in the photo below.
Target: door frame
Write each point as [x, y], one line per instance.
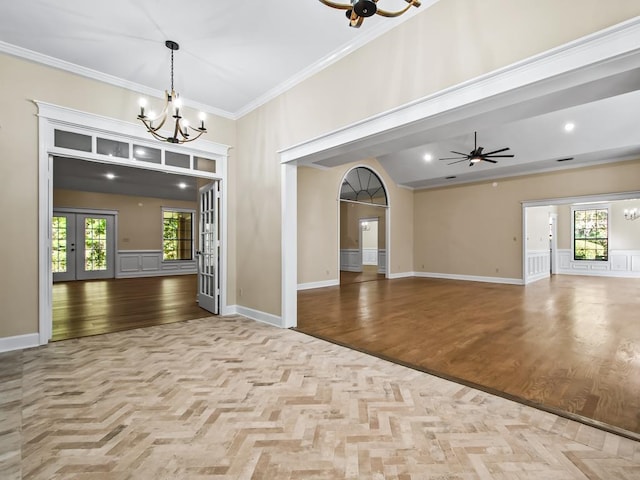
[553, 245]
[94, 211]
[52, 117]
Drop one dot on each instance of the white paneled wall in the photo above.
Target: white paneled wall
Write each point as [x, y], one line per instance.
[369, 256]
[622, 263]
[350, 259]
[148, 263]
[538, 265]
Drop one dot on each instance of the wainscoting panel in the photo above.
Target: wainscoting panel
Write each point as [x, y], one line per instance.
[622, 263]
[350, 260]
[538, 265]
[382, 261]
[370, 256]
[148, 263]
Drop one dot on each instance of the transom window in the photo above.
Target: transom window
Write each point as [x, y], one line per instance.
[177, 234]
[363, 185]
[591, 234]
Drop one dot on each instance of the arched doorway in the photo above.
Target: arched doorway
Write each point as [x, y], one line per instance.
[363, 226]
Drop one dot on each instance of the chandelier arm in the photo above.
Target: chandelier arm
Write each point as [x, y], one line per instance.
[339, 6]
[160, 125]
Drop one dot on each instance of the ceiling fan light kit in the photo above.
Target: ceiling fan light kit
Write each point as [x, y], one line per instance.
[477, 155]
[357, 10]
[173, 104]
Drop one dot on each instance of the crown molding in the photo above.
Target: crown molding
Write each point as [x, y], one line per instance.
[63, 65]
[333, 57]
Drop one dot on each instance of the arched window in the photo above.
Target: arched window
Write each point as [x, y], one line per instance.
[363, 185]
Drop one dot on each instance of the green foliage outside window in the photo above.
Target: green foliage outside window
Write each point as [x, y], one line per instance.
[95, 244]
[591, 234]
[59, 244]
[177, 242]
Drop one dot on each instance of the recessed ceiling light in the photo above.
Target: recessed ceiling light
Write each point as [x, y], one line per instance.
[182, 185]
[427, 157]
[110, 176]
[569, 127]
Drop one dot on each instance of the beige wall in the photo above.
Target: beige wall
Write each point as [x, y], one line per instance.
[350, 215]
[139, 218]
[476, 229]
[318, 192]
[19, 168]
[564, 226]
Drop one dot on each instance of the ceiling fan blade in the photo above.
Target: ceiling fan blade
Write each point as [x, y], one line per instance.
[463, 160]
[478, 151]
[497, 151]
[498, 156]
[488, 160]
[459, 153]
[453, 158]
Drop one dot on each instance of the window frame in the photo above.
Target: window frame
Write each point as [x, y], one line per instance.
[588, 207]
[190, 211]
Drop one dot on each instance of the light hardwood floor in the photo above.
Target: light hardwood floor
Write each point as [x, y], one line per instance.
[567, 344]
[104, 306]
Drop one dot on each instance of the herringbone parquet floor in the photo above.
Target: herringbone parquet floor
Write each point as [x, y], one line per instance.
[229, 398]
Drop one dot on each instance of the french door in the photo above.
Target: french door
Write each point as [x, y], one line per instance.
[209, 251]
[82, 246]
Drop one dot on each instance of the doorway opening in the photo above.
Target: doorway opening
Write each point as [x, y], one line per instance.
[134, 249]
[363, 232]
[110, 145]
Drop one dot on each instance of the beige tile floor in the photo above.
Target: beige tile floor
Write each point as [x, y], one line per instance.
[228, 398]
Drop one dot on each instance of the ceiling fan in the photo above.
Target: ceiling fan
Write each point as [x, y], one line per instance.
[476, 154]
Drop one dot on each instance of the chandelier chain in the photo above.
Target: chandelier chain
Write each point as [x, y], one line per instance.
[172, 70]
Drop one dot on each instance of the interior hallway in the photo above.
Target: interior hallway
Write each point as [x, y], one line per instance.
[93, 307]
[570, 344]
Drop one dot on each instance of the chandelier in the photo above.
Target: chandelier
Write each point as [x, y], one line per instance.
[631, 214]
[358, 10]
[181, 130]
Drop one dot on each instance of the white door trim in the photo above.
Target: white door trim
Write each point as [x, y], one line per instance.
[51, 117]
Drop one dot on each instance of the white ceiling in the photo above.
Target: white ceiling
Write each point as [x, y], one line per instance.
[237, 54]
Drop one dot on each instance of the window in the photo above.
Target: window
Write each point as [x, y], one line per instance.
[177, 234]
[591, 234]
[363, 185]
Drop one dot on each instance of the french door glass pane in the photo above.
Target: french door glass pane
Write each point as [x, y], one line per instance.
[59, 244]
[95, 244]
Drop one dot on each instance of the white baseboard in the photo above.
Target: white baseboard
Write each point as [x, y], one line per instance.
[167, 273]
[592, 273]
[539, 276]
[470, 278]
[19, 342]
[401, 275]
[322, 284]
[351, 268]
[257, 315]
